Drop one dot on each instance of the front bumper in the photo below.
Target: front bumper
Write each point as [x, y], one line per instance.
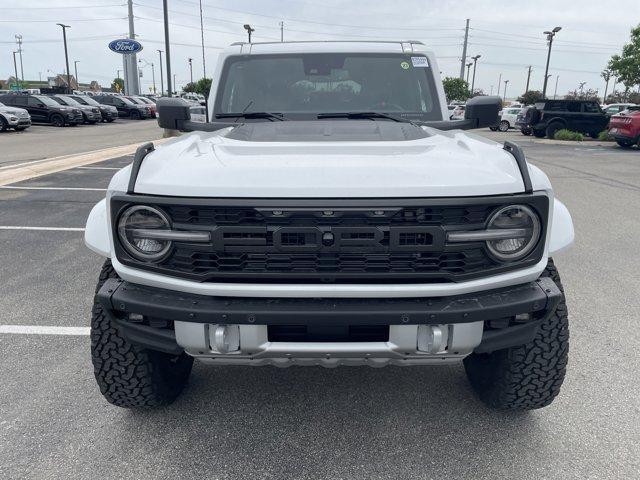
[174, 322]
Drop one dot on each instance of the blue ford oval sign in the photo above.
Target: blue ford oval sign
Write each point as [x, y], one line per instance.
[125, 46]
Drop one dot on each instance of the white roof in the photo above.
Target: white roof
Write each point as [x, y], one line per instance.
[400, 46]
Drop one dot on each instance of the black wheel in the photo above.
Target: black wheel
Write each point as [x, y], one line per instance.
[3, 124]
[128, 375]
[538, 133]
[503, 126]
[57, 120]
[493, 129]
[110, 120]
[526, 131]
[625, 143]
[135, 115]
[20, 129]
[529, 376]
[552, 129]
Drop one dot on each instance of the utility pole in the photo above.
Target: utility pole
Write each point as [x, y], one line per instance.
[282, 31]
[15, 67]
[161, 79]
[528, 78]
[19, 42]
[249, 30]
[75, 69]
[468, 70]
[506, 82]
[555, 92]
[499, 81]
[464, 49]
[167, 47]
[550, 36]
[66, 53]
[132, 80]
[191, 69]
[175, 84]
[606, 74]
[473, 81]
[204, 65]
[153, 77]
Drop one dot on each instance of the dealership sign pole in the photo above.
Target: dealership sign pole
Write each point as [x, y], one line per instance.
[128, 49]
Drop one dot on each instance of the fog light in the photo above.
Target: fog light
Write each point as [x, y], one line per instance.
[224, 338]
[432, 338]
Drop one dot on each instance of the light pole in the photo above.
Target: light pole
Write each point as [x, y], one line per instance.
[19, 42]
[153, 72]
[66, 53]
[204, 65]
[167, 48]
[555, 92]
[550, 36]
[526, 89]
[606, 75]
[473, 81]
[15, 67]
[506, 82]
[161, 78]
[249, 30]
[191, 69]
[75, 69]
[468, 70]
[499, 82]
[175, 85]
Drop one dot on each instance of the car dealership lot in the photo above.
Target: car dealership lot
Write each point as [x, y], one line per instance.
[237, 422]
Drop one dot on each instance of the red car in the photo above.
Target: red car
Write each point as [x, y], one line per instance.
[625, 127]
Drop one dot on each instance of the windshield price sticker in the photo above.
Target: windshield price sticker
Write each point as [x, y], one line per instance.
[420, 62]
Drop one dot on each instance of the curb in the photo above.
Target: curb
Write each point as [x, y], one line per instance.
[37, 168]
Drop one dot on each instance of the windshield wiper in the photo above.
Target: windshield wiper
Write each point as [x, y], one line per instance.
[363, 115]
[268, 115]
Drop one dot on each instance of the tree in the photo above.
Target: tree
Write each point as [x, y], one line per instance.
[118, 84]
[189, 87]
[530, 97]
[627, 66]
[581, 94]
[203, 86]
[455, 89]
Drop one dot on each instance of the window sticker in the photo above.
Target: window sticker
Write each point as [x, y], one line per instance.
[420, 62]
[404, 65]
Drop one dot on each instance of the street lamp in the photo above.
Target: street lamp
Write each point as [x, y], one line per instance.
[66, 53]
[468, 70]
[473, 81]
[75, 69]
[249, 30]
[550, 36]
[161, 78]
[153, 72]
[191, 69]
[506, 82]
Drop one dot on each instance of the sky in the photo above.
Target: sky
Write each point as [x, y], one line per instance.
[506, 33]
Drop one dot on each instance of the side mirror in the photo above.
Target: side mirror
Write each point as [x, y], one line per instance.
[483, 111]
[173, 113]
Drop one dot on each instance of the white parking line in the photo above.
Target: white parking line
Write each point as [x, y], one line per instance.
[7, 187]
[43, 330]
[48, 229]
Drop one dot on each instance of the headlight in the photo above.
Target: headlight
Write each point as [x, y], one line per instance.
[135, 230]
[521, 232]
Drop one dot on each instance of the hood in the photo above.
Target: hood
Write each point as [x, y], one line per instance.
[338, 158]
[18, 110]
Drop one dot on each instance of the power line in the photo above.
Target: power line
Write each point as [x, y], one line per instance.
[67, 7]
[66, 20]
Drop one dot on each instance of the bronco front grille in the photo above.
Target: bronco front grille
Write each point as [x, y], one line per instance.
[330, 241]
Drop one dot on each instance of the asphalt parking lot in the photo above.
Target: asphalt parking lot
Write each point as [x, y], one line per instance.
[237, 422]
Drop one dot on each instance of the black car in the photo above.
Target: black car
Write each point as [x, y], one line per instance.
[521, 121]
[549, 116]
[44, 109]
[90, 115]
[126, 108]
[108, 112]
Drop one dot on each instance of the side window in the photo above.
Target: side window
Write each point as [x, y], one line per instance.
[591, 107]
[556, 106]
[20, 101]
[573, 107]
[118, 102]
[105, 100]
[7, 100]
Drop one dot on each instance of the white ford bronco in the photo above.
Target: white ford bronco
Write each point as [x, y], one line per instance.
[329, 213]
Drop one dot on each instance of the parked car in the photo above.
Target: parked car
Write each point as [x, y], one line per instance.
[625, 127]
[521, 121]
[193, 97]
[13, 117]
[44, 109]
[318, 226]
[549, 116]
[107, 112]
[508, 118]
[125, 107]
[458, 113]
[198, 114]
[146, 102]
[90, 115]
[614, 108]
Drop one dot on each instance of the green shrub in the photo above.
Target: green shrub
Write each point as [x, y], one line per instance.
[565, 134]
[604, 136]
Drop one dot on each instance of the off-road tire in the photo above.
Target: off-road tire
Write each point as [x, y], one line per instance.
[135, 115]
[3, 125]
[529, 376]
[503, 126]
[128, 375]
[57, 120]
[526, 131]
[625, 143]
[538, 133]
[552, 129]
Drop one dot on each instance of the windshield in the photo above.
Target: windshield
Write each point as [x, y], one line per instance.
[70, 101]
[301, 86]
[86, 101]
[49, 101]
